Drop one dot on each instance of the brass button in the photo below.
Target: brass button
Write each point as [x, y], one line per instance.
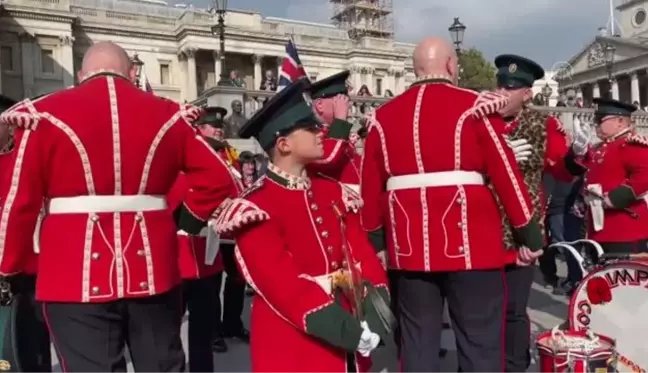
[95, 290]
[459, 225]
[138, 217]
[461, 249]
[314, 207]
[309, 193]
[319, 220]
[96, 256]
[335, 265]
[344, 264]
[329, 249]
[95, 218]
[325, 234]
[459, 200]
[141, 252]
[143, 285]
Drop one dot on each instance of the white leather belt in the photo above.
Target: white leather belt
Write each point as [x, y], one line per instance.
[203, 233]
[97, 204]
[435, 179]
[354, 187]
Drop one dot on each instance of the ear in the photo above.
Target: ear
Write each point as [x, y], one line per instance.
[451, 67]
[80, 75]
[132, 74]
[283, 145]
[528, 95]
[318, 105]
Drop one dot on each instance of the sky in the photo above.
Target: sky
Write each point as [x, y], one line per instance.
[547, 31]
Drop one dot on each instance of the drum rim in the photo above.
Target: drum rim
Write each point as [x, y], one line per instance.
[608, 347]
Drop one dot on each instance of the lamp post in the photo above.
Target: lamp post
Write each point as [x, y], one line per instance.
[609, 61]
[546, 93]
[220, 7]
[139, 64]
[457, 30]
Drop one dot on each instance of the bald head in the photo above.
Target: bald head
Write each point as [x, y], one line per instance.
[435, 56]
[107, 55]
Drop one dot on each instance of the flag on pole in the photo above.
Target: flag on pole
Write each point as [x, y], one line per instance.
[291, 68]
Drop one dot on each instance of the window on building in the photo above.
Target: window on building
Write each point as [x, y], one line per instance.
[47, 61]
[165, 74]
[6, 55]
[379, 90]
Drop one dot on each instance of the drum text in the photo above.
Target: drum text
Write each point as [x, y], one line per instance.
[626, 277]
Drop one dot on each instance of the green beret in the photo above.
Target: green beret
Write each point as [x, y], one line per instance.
[330, 87]
[607, 107]
[6, 103]
[286, 111]
[214, 116]
[517, 72]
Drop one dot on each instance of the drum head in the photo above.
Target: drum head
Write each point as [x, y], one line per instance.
[613, 301]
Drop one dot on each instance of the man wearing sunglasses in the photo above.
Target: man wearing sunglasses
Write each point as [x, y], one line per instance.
[539, 143]
[616, 178]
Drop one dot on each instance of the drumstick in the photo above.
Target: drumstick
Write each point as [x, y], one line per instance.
[624, 256]
[632, 214]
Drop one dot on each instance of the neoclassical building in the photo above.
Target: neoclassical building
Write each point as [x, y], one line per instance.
[42, 43]
[588, 73]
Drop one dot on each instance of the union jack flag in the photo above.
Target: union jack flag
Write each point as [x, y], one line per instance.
[291, 68]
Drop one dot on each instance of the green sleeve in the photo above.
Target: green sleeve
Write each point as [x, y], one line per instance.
[531, 235]
[339, 129]
[335, 326]
[377, 239]
[622, 196]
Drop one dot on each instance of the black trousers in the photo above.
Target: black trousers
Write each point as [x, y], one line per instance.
[32, 338]
[476, 306]
[640, 246]
[518, 326]
[233, 294]
[202, 299]
[393, 291]
[90, 337]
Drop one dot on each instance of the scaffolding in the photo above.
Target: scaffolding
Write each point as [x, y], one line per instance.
[364, 18]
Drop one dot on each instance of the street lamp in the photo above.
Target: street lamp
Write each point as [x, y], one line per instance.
[220, 7]
[546, 93]
[139, 64]
[457, 30]
[609, 60]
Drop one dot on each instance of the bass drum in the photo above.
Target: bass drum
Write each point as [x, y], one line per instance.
[612, 300]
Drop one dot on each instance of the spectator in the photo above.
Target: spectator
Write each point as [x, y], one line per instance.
[364, 91]
[538, 99]
[269, 82]
[579, 102]
[561, 103]
[235, 79]
[389, 93]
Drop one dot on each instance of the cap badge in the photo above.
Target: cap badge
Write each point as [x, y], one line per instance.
[512, 68]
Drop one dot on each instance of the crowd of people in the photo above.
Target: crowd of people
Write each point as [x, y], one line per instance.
[122, 211]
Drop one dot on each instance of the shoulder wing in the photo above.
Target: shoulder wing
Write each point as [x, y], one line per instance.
[637, 140]
[22, 115]
[488, 103]
[236, 213]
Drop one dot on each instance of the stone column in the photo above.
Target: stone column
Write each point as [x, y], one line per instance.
[217, 67]
[356, 78]
[28, 58]
[596, 90]
[634, 87]
[615, 89]
[192, 86]
[67, 60]
[258, 74]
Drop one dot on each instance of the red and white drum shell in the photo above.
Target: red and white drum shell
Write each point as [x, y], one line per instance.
[613, 301]
[553, 358]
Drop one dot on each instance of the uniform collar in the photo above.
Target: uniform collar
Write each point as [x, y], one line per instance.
[433, 79]
[101, 72]
[287, 180]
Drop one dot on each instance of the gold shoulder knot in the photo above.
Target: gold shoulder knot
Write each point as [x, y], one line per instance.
[191, 113]
[352, 200]
[21, 115]
[637, 139]
[488, 103]
[236, 213]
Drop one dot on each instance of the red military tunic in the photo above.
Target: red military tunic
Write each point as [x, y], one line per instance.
[620, 168]
[341, 161]
[433, 146]
[289, 244]
[7, 162]
[105, 154]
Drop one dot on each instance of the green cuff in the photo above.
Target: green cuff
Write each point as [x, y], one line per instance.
[335, 326]
[377, 239]
[622, 196]
[531, 235]
[371, 314]
[186, 221]
[339, 129]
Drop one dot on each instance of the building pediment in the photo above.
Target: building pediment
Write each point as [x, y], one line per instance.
[593, 55]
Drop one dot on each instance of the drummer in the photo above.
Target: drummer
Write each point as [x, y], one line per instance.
[615, 178]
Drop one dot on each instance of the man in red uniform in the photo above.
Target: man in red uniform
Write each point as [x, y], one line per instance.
[341, 160]
[615, 178]
[105, 154]
[31, 350]
[440, 220]
[540, 144]
[301, 247]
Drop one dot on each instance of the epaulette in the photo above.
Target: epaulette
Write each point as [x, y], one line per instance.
[21, 115]
[637, 139]
[488, 103]
[236, 213]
